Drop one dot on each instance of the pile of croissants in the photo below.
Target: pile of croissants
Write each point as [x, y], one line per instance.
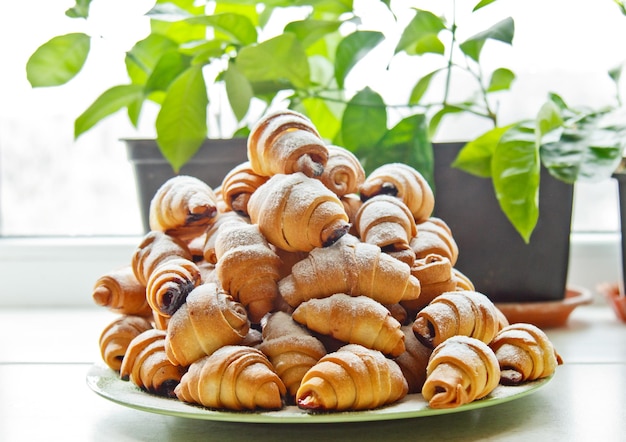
[302, 281]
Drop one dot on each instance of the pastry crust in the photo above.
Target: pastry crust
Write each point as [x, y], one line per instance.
[435, 237]
[414, 360]
[117, 336]
[121, 292]
[343, 173]
[237, 186]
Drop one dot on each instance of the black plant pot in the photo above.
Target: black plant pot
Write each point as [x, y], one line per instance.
[621, 190]
[214, 159]
[491, 252]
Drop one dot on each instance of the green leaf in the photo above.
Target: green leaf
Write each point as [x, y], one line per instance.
[549, 120]
[79, 10]
[476, 156]
[237, 27]
[421, 87]
[167, 18]
[170, 65]
[281, 58]
[239, 91]
[58, 60]
[482, 4]
[515, 172]
[502, 31]
[353, 48]
[181, 123]
[436, 119]
[109, 102]
[501, 80]
[421, 35]
[310, 31]
[144, 56]
[323, 116]
[364, 121]
[616, 73]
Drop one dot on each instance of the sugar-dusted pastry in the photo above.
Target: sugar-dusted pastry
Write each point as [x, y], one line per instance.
[436, 277]
[116, 337]
[343, 173]
[434, 236]
[208, 320]
[354, 320]
[237, 186]
[350, 267]
[525, 353]
[208, 251]
[247, 267]
[460, 370]
[297, 213]
[457, 313]
[121, 292]
[183, 207]
[291, 349]
[352, 378]
[414, 360]
[387, 222]
[146, 365]
[351, 204]
[461, 280]
[165, 266]
[404, 182]
[285, 142]
[235, 377]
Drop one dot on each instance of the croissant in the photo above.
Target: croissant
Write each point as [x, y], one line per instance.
[524, 353]
[297, 213]
[387, 222]
[435, 237]
[208, 320]
[351, 204]
[235, 377]
[165, 266]
[121, 293]
[208, 251]
[237, 186]
[404, 182]
[352, 378]
[291, 349]
[146, 365]
[350, 267]
[343, 173]
[116, 337]
[461, 281]
[436, 277]
[183, 207]
[355, 320]
[285, 142]
[460, 370]
[247, 267]
[414, 360]
[457, 313]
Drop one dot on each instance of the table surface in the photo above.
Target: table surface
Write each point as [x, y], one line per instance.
[45, 355]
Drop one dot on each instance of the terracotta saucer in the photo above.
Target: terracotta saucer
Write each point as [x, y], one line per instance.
[546, 314]
[615, 299]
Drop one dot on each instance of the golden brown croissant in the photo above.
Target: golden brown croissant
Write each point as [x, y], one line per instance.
[291, 349]
[457, 313]
[208, 320]
[343, 173]
[146, 365]
[286, 142]
[235, 377]
[414, 360]
[351, 204]
[297, 213]
[350, 267]
[116, 337]
[524, 353]
[183, 207]
[461, 370]
[237, 186]
[121, 293]
[404, 182]
[352, 378]
[435, 275]
[387, 222]
[354, 320]
[211, 233]
[247, 268]
[165, 265]
[435, 237]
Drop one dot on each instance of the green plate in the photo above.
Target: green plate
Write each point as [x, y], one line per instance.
[108, 384]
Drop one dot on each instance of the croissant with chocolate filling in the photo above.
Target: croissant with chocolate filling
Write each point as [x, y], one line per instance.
[121, 292]
[297, 213]
[183, 207]
[343, 173]
[355, 320]
[460, 370]
[436, 277]
[352, 378]
[116, 337]
[146, 365]
[208, 320]
[350, 267]
[285, 142]
[235, 377]
[524, 353]
[237, 186]
[165, 266]
[414, 360]
[434, 236]
[403, 182]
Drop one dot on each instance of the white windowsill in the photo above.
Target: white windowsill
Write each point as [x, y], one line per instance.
[61, 272]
